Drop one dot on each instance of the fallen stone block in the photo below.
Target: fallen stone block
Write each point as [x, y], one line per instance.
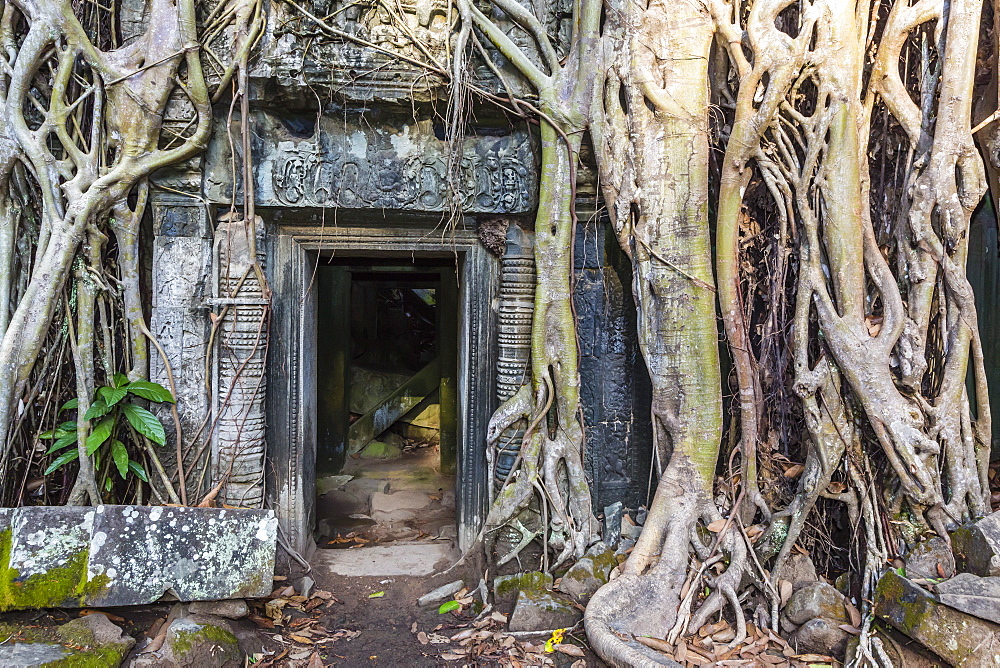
[960, 639]
[507, 587]
[972, 594]
[32, 654]
[132, 555]
[977, 547]
[398, 506]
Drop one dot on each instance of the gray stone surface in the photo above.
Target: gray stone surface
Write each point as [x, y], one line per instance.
[383, 560]
[231, 609]
[540, 610]
[132, 555]
[977, 547]
[398, 506]
[30, 655]
[816, 600]
[972, 594]
[440, 594]
[924, 558]
[799, 570]
[821, 636]
[960, 639]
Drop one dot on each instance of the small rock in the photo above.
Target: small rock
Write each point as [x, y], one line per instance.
[960, 639]
[613, 524]
[977, 547]
[972, 594]
[448, 498]
[640, 515]
[816, 600]
[924, 558]
[799, 570]
[331, 483]
[196, 641]
[440, 594]
[99, 636]
[822, 636]
[542, 611]
[231, 609]
[393, 440]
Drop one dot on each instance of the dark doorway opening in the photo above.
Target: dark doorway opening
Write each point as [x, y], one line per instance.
[387, 349]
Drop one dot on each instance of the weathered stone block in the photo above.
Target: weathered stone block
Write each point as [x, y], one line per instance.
[195, 642]
[131, 555]
[540, 610]
[973, 595]
[977, 547]
[958, 638]
[588, 574]
[822, 636]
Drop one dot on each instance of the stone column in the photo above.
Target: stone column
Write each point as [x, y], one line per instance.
[181, 264]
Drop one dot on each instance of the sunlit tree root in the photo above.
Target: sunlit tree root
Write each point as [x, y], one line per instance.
[654, 595]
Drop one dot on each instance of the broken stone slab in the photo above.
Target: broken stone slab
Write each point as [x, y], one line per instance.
[540, 610]
[132, 555]
[440, 594]
[925, 557]
[381, 450]
[976, 547]
[972, 594]
[959, 638]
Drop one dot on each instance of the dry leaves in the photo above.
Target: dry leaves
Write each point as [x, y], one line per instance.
[710, 647]
[484, 642]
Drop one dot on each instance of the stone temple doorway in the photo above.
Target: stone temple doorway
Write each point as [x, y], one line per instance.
[311, 266]
[386, 424]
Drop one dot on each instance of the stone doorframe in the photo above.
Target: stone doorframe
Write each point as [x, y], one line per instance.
[291, 410]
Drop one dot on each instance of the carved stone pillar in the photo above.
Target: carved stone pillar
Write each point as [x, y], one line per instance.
[242, 304]
[517, 306]
[181, 280]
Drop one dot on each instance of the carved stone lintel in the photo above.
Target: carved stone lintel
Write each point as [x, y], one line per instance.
[242, 302]
[396, 164]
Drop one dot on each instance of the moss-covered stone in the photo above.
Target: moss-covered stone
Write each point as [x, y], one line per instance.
[62, 586]
[960, 639]
[83, 646]
[509, 585]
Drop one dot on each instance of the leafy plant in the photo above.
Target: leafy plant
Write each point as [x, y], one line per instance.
[115, 418]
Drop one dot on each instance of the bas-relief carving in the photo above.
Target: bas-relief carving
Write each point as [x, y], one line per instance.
[380, 166]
